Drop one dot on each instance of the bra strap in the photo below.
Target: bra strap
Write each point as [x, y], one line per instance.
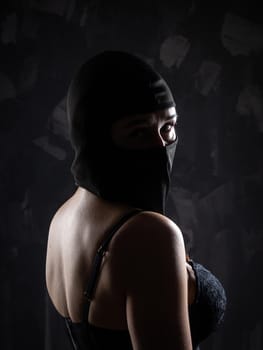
[89, 292]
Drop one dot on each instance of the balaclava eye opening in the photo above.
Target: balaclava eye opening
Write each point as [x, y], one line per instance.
[106, 88]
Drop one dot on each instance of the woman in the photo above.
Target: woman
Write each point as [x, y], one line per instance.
[116, 266]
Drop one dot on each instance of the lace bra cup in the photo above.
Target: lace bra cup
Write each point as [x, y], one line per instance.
[206, 314]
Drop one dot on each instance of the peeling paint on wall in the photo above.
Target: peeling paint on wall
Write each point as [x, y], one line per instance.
[59, 123]
[174, 50]
[250, 103]
[207, 77]
[240, 36]
[55, 151]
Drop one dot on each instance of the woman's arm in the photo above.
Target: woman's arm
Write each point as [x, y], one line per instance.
[155, 278]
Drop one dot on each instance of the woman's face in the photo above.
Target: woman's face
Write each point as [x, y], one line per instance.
[142, 131]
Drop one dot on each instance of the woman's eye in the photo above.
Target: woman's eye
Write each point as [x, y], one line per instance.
[168, 127]
[148, 134]
[169, 132]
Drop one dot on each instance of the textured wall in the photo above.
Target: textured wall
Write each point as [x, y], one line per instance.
[212, 59]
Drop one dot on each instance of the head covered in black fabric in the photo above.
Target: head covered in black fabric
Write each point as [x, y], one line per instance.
[108, 87]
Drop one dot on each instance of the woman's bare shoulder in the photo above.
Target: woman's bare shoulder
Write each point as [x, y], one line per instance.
[148, 224]
[151, 266]
[148, 230]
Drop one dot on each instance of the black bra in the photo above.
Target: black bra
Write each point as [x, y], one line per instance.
[205, 314]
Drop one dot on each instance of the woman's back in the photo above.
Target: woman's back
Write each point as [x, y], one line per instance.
[76, 233]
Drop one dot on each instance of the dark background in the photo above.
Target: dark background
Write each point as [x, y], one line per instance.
[212, 58]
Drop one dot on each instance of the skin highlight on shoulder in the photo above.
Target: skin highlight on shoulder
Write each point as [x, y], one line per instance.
[149, 224]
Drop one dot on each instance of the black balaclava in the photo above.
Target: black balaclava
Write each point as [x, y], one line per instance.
[108, 87]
